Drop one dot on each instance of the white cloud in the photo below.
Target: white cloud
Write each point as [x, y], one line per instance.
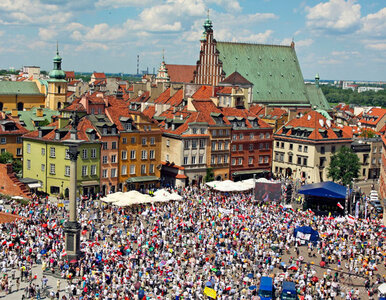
[334, 16]
[299, 43]
[230, 5]
[47, 33]
[88, 46]
[345, 54]
[122, 3]
[374, 24]
[377, 46]
[329, 61]
[262, 37]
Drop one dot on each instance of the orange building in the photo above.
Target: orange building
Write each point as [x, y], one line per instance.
[139, 147]
[10, 136]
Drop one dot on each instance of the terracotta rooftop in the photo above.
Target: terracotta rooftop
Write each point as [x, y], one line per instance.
[75, 106]
[181, 73]
[203, 93]
[99, 75]
[372, 117]
[8, 218]
[235, 79]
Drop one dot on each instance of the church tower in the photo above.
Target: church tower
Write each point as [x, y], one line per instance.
[57, 85]
[162, 74]
[209, 67]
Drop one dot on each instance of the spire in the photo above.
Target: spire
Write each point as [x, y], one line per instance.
[208, 24]
[57, 48]
[163, 55]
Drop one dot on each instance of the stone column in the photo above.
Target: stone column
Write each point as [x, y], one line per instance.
[72, 227]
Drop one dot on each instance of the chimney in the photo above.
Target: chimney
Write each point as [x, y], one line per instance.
[14, 112]
[39, 112]
[40, 132]
[9, 168]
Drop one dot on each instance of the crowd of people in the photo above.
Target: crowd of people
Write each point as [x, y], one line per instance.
[179, 249]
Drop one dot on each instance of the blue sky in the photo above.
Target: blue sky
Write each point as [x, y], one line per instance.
[339, 39]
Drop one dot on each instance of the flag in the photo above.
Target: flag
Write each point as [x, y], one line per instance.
[340, 206]
[350, 220]
[152, 207]
[210, 292]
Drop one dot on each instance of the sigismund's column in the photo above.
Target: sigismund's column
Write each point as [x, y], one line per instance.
[72, 227]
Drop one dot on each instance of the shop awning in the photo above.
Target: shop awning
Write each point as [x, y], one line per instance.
[244, 172]
[142, 179]
[90, 183]
[34, 185]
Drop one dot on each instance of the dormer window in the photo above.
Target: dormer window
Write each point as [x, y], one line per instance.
[104, 130]
[57, 135]
[194, 130]
[113, 130]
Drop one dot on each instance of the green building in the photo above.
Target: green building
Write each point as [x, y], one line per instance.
[46, 159]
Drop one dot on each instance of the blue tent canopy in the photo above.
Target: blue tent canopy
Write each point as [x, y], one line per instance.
[327, 189]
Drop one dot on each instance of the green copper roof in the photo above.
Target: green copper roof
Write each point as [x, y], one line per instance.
[57, 73]
[316, 97]
[273, 69]
[19, 87]
[29, 116]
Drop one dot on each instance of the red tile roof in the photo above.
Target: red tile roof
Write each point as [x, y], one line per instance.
[225, 90]
[372, 117]
[149, 111]
[181, 73]
[142, 98]
[70, 74]
[203, 93]
[163, 97]
[99, 75]
[176, 99]
[75, 106]
[257, 109]
[19, 129]
[276, 113]
[244, 113]
[316, 122]
[8, 218]
[236, 79]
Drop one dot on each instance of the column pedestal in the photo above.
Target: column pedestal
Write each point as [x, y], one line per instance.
[72, 235]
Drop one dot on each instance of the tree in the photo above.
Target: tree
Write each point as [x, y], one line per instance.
[6, 158]
[209, 175]
[344, 166]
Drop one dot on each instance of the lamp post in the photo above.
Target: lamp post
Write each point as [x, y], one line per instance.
[72, 227]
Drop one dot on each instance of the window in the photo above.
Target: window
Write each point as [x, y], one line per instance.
[133, 140]
[104, 173]
[234, 137]
[194, 130]
[104, 159]
[233, 161]
[261, 158]
[220, 132]
[104, 145]
[3, 140]
[213, 145]
[226, 158]
[43, 150]
[214, 132]
[132, 154]
[93, 153]
[28, 164]
[19, 140]
[194, 144]
[43, 167]
[132, 169]
[250, 160]
[213, 160]
[250, 147]
[226, 147]
[234, 147]
[19, 151]
[144, 141]
[277, 144]
[84, 154]
[143, 154]
[305, 149]
[241, 136]
[185, 160]
[52, 152]
[201, 159]
[167, 157]
[84, 171]
[124, 155]
[124, 170]
[167, 143]
[52, 168]
[267, 146]
[151, 169]
[291, 146]
[240, 161]
[266, 159]
[219, 159]
[374, 161]
[113, 158]
[152, 154]
[114, 145]
[67, 171]
[240, 147]
[124, 140]
[299, 160]
[193, 160]
[219, 145]
[54, 189]
[290, 159]
[202, 143]
[267, 135]
[333, 149]
[300, 148]
[143, 169]
[93, 170]
[66, 153]
[113, 173]
[322, 150]
[186, 144]
[282, 145]
[261, 146]
[251, 136]
[152, 141]
[202, 130]
[262, 136]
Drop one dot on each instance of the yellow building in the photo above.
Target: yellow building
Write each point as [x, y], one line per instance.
[20, 95]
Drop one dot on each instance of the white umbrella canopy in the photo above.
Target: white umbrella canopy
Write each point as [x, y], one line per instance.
[112, 197]
[382, 288]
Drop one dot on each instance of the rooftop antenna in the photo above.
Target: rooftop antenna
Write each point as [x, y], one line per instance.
[163, 55]
[208, 13]
[138, 64]
[57, 47]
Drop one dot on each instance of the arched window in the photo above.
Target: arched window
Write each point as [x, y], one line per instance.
[59, 89]
[20, 106]
[59, 105]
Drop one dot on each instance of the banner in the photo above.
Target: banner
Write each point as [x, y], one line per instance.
[210, 292]
[225, 211]
[303, 236]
